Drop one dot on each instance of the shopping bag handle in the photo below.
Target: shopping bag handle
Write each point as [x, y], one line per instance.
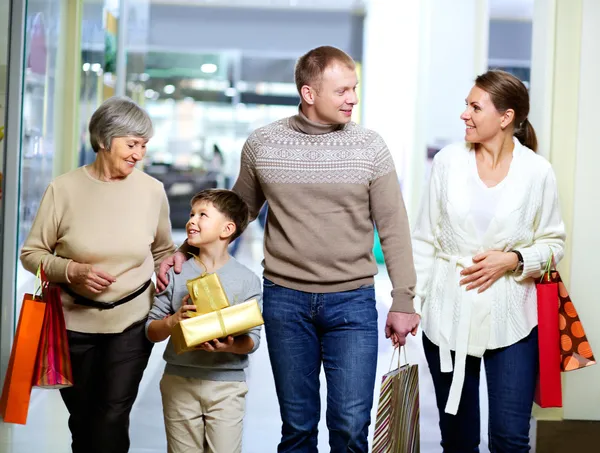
[37, 289]
[402, 351]
[549, 267]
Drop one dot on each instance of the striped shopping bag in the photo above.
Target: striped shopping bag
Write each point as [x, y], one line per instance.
[53, 362]
[397, 423]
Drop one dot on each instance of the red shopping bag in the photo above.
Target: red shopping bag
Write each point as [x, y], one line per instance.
[549, 390]
[16, 392]
[53, 364]
[563, 343]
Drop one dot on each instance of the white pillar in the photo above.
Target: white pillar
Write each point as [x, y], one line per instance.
[421, 59]
[581, 388]
[565, 96]
[392, 53]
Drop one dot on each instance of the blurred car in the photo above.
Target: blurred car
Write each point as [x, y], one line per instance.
[181, 184]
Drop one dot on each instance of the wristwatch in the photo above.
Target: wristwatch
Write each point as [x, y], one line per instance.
[519, 267]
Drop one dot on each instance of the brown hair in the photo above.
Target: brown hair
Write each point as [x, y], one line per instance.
[228, 203]
[508, 92]
[311, 65]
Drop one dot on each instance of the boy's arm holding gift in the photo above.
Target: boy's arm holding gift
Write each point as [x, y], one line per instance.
[241, 344]
[163, 317]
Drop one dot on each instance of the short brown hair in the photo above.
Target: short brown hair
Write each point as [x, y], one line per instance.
[508, 92]
[228, 203]
[311, 65]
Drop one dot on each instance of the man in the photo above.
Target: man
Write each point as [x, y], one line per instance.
[326, 180]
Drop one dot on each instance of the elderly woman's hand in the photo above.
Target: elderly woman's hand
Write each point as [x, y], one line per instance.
[87, 276]
[488, 268]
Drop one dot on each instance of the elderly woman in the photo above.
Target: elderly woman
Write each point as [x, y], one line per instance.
[100, 232]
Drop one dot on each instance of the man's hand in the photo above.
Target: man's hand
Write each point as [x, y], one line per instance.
[488, 268]
[88, 277]
[399, 325]
[174, 261]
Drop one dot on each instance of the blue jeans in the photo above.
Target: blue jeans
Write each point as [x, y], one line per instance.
[338, 330]
[511, 374]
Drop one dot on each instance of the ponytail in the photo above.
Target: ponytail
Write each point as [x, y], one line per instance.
[526, 135]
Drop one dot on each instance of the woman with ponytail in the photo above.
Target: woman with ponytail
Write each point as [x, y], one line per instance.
[488, 223]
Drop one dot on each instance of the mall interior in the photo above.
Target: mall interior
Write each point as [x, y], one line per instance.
[209, 72]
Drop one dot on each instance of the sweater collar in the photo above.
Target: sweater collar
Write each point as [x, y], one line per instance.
[300, 123]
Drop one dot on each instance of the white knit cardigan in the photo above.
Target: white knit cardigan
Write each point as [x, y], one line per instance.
[445, 239]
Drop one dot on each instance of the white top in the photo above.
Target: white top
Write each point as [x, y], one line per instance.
[445, 238]
[484, 199]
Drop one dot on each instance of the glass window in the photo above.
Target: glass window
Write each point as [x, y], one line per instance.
[40, 122]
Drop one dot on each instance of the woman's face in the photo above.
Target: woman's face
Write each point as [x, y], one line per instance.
[124, 153]
[482, 119]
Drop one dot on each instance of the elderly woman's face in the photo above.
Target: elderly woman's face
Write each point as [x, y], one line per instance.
[124, 153]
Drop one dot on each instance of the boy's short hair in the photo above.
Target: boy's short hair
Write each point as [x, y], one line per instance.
[228, 203]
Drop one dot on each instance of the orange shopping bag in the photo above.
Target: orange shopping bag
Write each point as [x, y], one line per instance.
[14, 403]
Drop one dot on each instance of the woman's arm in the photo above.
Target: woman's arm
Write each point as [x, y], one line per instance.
[549, 232]
[163, 242]
[41, 242]
[422, 235]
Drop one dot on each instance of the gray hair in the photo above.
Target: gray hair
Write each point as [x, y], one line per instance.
[118, 117]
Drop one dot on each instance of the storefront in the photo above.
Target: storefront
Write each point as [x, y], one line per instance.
[206, 82]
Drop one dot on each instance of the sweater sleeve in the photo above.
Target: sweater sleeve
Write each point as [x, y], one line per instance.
[163, 303]
[389, 214]
[549, 234]
[422, 236]
[163, 243]
[254, 291]
[42, 239]
[247, 185]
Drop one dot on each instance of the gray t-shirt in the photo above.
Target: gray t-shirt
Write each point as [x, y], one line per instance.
[240, 284]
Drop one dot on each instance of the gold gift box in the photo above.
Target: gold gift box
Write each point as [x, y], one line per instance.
[233, 320]
[207, 294]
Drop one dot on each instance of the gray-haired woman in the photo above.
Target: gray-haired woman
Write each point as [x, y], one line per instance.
[100, 232]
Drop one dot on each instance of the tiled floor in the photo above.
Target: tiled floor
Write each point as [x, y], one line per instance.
[46, 430]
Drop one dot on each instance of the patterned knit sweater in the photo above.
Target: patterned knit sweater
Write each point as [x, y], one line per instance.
[326, 186]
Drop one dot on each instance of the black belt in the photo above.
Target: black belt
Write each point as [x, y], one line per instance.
[80, 300]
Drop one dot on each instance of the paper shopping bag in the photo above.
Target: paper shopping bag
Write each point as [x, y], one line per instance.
[549, 386]
[397, 423]
[16, 392]
[575, 349]
[53, 363]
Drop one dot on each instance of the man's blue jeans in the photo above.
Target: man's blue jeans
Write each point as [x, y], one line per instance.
[511, 378]
[338, 330]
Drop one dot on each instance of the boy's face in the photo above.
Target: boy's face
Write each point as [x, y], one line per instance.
[207, 225]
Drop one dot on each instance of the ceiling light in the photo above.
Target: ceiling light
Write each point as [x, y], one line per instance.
[86, 67]
[96, 67]
[169, 89]
[209, 68]
[144, 77]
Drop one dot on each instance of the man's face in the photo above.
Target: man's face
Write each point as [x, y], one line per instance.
[335, 95]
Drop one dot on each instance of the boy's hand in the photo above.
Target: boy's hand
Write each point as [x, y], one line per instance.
[182, 313]
[217, 345]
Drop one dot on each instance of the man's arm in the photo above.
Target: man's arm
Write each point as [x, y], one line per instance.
[247, 185]
[389, 214]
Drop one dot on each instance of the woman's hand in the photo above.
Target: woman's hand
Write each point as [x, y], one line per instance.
[88, 277]
[182, 313]
[488, 268]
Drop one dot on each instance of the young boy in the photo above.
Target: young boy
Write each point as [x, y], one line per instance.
[203, 391]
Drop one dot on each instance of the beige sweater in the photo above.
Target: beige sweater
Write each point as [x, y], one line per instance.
[325, 186]
[122, 228]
